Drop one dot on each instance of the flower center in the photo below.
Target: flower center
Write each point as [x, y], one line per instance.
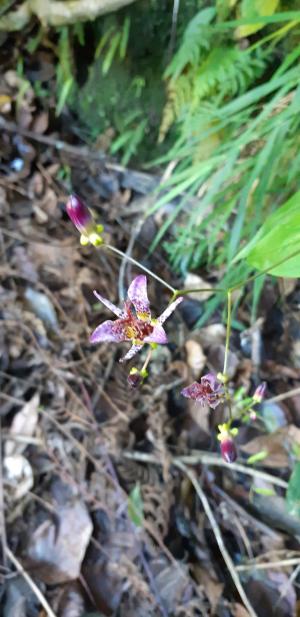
[136, 329]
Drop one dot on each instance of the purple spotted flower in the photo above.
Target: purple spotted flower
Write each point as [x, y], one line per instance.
[208, 392]
[134, 322]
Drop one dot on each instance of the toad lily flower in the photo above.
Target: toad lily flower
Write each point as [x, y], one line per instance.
[208, 392]
[135, 323]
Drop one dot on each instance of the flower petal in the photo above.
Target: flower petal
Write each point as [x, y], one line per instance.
[79, 213]
[108, 331]
[132, 351]
[158, 335]
[137, 294]
[112, 307]
[169, 310]
[193, 391]
[212, 381]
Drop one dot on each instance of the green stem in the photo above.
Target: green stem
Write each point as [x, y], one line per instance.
[226, 352]
[184, 292]
[113, 249]
[148, 358]
[228, 331]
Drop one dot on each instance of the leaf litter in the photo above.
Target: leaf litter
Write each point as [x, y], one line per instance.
[100, 533]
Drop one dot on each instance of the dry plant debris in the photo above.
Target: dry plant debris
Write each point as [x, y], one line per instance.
[75, 441]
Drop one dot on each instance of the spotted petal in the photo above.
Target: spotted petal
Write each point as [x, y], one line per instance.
[193, 391]
[137, 294]
[169, 310]
[132, 351]
[158, 335]
[108, 331]
[112, 307]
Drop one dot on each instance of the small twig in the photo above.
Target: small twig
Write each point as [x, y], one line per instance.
[173, 29]
[209, 459]
[217, 533]
[2, 514]
[30, 582]
[284, 563]
[283, 396]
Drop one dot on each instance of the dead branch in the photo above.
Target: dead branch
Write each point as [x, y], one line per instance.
[58, 13]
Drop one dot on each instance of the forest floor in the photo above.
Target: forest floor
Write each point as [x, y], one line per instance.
[116, 501]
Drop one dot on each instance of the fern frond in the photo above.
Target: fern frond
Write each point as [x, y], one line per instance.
[196, 39]
[225, 71]
[228, 71]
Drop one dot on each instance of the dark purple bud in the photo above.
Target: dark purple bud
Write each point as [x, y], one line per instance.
[260, 392]
[228, 450]
[79, 214]
[135, 379]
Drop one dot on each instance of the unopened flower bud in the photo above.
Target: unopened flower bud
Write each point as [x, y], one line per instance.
[81, 217]
[135, 378]
[252, 415]
[79, 213]
[228, 450]
[259, 392]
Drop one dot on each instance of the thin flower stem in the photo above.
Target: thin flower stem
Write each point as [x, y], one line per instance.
[228, 331]
[148, 358]
[184, 292]
[113, 249]
[226, 354]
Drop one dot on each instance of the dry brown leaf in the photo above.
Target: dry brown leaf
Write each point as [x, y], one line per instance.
[213, 587]
[19, 475]
[277, 444]
[24, 424]
[57, 551]
[238, 610]
[40, 122]
[196, 359]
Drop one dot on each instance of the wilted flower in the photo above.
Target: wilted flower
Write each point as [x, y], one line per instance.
[259, 392]
[227, 445]
[82, 218]
[135, 323]
[208, 392]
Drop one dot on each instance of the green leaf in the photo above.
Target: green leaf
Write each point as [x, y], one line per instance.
[259, 456]
[276, 241]
[64, 93]
[135, 506]
[124, 38]
[252, 9]
[293, 492]
[268, 492]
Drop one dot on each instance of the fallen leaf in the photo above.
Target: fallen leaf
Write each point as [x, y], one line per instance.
[57, 551]
[278, 445]
[18, 473]
[24, 424]
[42, 307]
[196, 359]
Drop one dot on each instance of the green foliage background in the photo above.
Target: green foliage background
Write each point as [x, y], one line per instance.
[222, 105]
